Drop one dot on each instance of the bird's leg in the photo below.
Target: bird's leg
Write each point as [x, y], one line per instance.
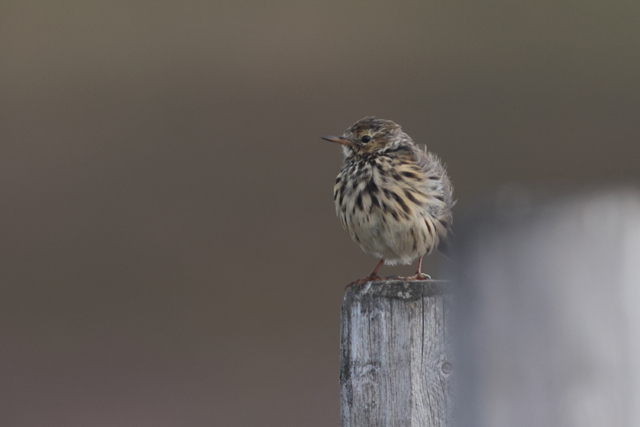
[419, 274]
[374, 273]
[370, 278]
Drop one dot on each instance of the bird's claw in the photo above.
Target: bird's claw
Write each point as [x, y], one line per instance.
[361, 282]
[418, 276]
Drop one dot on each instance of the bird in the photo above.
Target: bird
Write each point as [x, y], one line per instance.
[392, 197]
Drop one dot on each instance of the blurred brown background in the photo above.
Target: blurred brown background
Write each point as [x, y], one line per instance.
[169, 250]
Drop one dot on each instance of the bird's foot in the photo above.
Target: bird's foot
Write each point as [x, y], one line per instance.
[418, 276]
[361, 282]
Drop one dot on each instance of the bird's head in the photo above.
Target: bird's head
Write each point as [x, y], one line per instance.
[370, 135]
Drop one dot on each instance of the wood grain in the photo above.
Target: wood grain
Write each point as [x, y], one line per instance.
[395, 357]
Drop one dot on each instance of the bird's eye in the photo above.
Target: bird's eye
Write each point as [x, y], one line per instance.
[365, 139]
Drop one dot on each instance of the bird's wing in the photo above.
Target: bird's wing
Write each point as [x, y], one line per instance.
[438, 187]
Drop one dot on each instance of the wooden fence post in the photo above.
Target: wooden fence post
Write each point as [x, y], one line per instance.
[395, 359]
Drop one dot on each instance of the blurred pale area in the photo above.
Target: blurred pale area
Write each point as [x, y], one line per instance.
[548, 326]
[169, 250]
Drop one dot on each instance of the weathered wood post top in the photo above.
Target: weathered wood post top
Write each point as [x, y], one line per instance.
[395, 355]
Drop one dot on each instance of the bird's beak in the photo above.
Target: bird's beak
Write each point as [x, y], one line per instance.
[336, 139]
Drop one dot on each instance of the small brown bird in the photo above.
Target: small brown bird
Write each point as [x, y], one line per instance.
[392, 197]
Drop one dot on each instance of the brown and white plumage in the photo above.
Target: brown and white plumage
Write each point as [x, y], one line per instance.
[393, 198]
